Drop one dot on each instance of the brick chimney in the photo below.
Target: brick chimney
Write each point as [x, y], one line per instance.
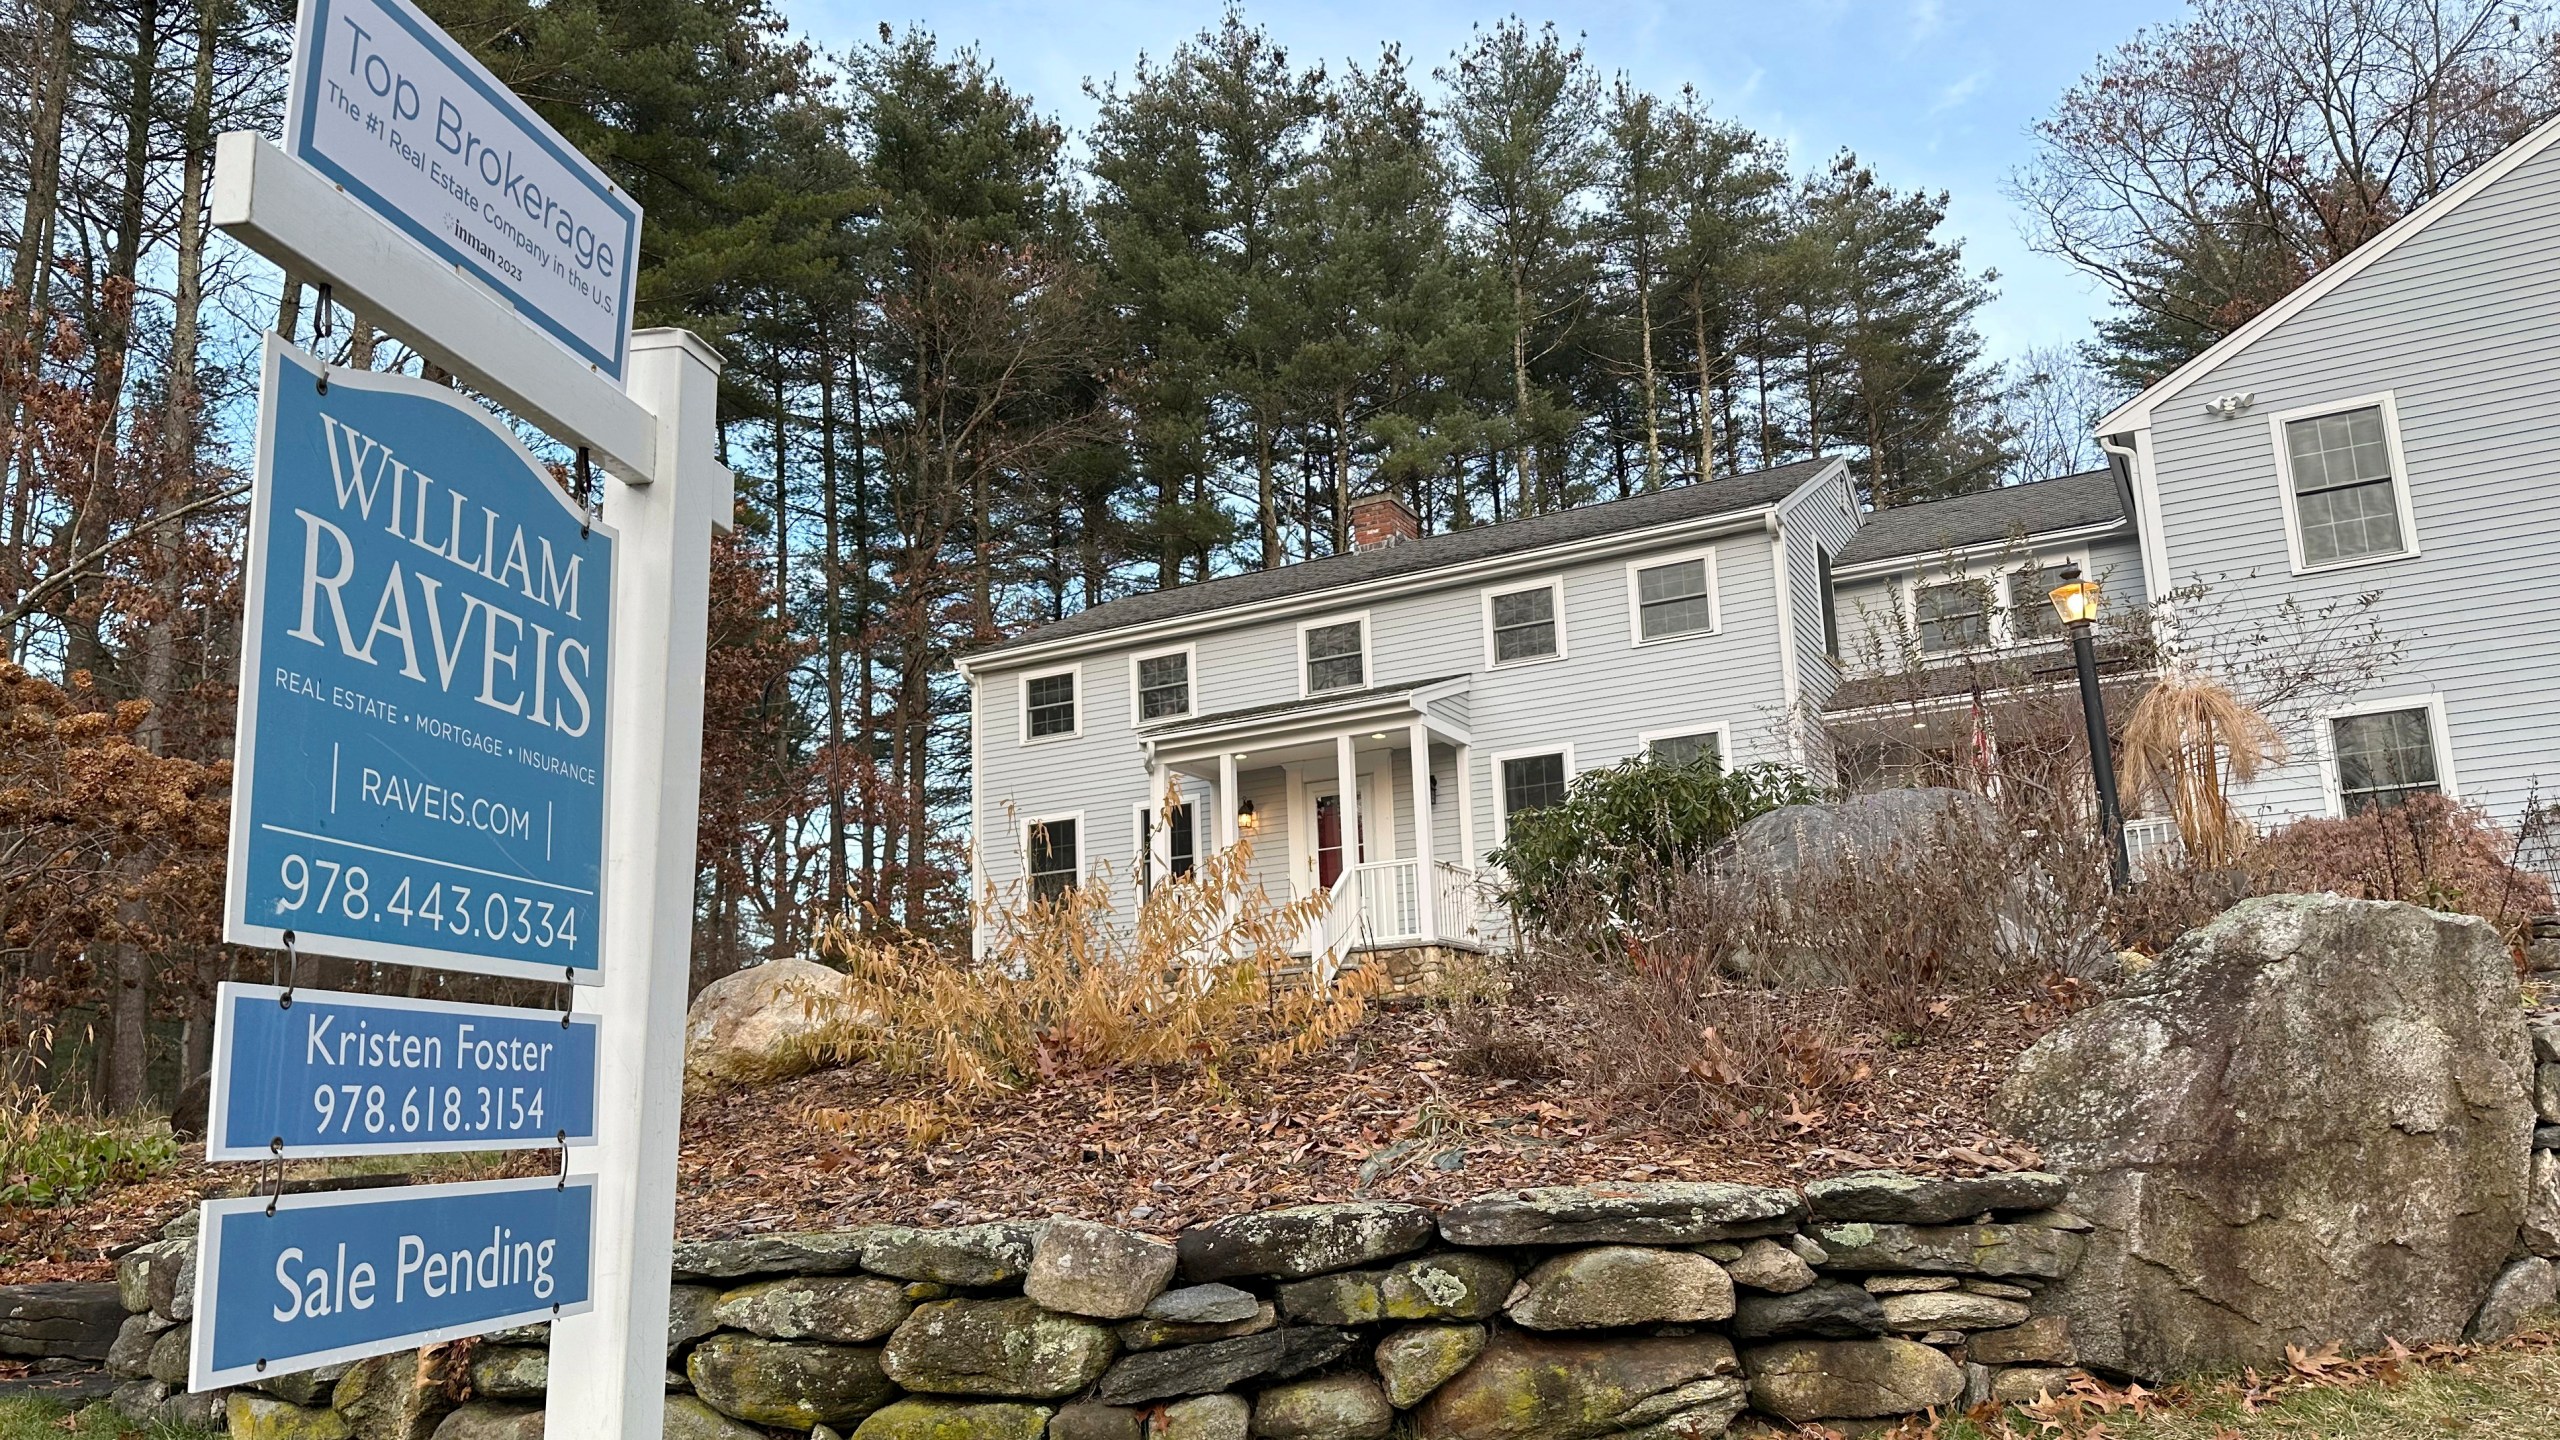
[1380, 519]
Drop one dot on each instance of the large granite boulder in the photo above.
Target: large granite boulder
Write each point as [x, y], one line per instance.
[1873, 826]
[1559, 1388]
[760, 1024]
[2308, 1122]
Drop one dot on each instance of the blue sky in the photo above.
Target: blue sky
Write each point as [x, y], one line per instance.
[1933, 93]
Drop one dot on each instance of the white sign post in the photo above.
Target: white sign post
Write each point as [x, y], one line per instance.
[548, 338]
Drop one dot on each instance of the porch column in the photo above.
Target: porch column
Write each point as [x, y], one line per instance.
[1224, 811]
[1348, 789]
[1467, 809]
[1427, 877]
[1151, 868]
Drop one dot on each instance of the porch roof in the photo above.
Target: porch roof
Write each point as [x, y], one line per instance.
[1413, 697]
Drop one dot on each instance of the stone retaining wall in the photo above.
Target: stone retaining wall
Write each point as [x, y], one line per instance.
[1675, 1311]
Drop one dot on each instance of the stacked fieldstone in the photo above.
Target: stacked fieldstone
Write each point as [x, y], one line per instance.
[2531, 1282]
[1650, 1311]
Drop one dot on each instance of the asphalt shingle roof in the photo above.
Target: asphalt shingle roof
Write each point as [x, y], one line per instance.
[2067, 502]
[1732, 495]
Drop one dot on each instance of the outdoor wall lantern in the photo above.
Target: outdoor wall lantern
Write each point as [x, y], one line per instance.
[2076, 601]
[1246, 819]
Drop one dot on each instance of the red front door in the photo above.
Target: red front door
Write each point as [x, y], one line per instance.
[1329, 839]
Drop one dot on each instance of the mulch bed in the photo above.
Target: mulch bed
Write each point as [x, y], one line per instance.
[1382, 1115]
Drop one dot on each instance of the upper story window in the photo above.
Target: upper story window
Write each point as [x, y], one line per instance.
[1952, 615]
[1336, 654]
[2343, 485]
[1164, 684]
[1673, 598]
[2384, 757]
[1050, 705]
[1524, 624]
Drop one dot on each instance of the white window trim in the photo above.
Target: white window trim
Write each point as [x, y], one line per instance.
[2401, 485]
[1721, 729]
[1084, 844]
[1501, 814]
[1635, 602]
[1999, 574]
[1190, 652]
[1553, 585]
[2438, 735]
[1022, 704]
[1368, 659]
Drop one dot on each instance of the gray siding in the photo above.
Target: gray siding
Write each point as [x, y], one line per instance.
[2461, 325]
[1818, 524]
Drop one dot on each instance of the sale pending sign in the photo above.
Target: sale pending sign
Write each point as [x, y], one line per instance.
[406, 121]
[339, 1276]
[423, 678]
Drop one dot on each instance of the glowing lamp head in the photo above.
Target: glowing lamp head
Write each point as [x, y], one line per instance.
[1247, 819]
[2075, 599]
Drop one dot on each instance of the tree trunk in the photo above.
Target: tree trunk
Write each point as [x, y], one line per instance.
[1652, 389]
[1266, 503]
[1706, 375]
[1520, 390]
[832, 574]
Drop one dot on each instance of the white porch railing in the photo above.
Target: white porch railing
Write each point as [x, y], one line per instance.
[1381, 903]
[1391, 899]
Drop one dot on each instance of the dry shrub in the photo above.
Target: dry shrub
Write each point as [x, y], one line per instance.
[2428, 851]
[1727, 997]
[1067, 994]
[2190, 737]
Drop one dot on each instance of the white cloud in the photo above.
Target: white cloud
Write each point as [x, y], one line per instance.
[1956, 94]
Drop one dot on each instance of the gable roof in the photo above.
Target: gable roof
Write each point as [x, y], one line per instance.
[2136, 412]
[2040, 507]
[1726, 496]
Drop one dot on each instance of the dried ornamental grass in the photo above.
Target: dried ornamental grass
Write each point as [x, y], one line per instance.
[2189, 738]
[1067, 991]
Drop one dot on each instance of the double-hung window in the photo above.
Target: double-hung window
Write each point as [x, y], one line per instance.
[1051, 856]
[1524, 624]
[1337, 655]
[1164, 685]
[1687, 749]
[1952, 615]
[1049, 705]
[2031, 613]
[2384, 757]
[2344, 486]
[1673, 598]
[1181, 852]
[1532, 782]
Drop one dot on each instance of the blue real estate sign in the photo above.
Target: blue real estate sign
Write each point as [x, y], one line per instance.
[303, 1073]
[344, 1275]
[420, 776]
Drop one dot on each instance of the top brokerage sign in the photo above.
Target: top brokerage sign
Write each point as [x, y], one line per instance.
[391, 109]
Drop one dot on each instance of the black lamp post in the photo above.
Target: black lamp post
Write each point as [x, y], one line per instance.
[2076, 600]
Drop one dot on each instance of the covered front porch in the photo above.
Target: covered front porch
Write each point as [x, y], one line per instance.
[1356, 797]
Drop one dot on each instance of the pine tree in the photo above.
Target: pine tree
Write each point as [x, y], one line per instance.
[1521, 117]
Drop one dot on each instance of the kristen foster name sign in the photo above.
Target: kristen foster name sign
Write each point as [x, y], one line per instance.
[340, 1276]
[332, 1074]
[399, 116]
[423, 673]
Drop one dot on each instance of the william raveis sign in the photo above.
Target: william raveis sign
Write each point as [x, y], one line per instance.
[399, 116]
[421, 778]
